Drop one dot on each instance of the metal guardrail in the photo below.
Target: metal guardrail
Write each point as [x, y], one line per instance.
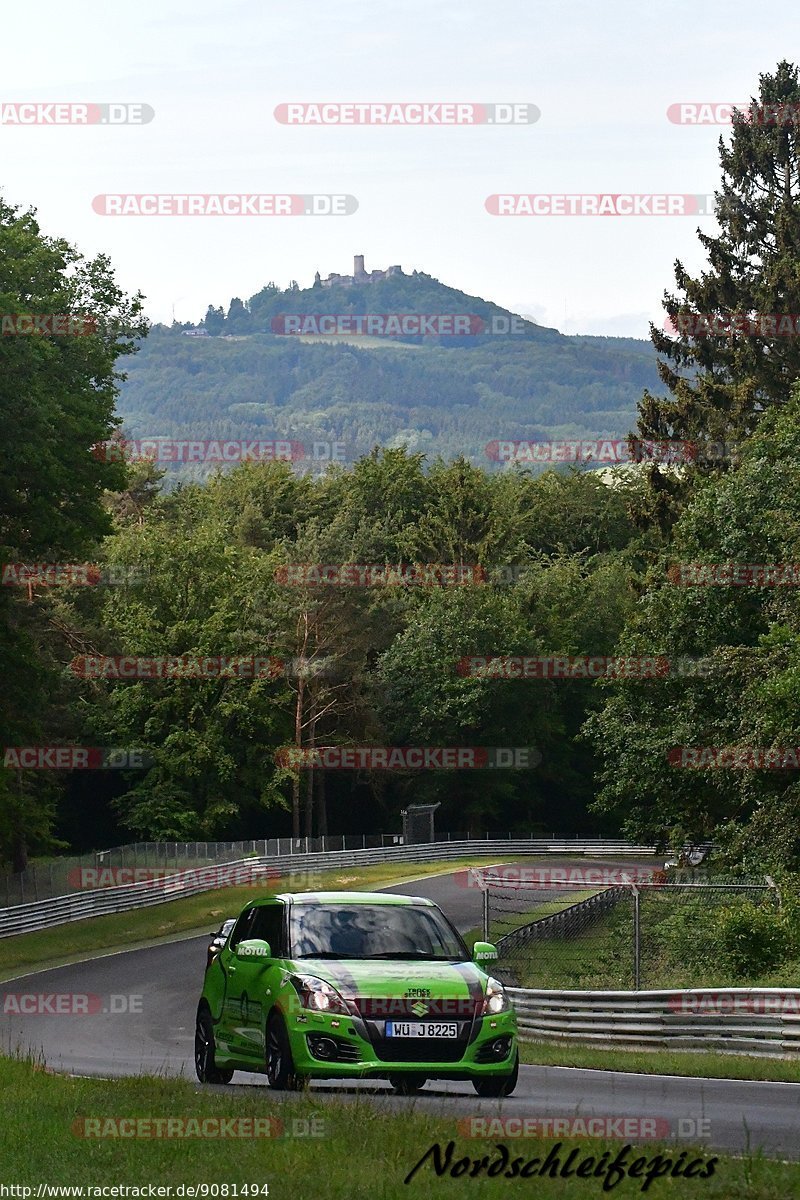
[80, 905]
[760, 1021]
[57, 876]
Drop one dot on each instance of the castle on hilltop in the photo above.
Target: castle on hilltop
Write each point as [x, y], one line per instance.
[359, 275]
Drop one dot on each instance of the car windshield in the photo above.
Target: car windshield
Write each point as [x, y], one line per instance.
[391, 931]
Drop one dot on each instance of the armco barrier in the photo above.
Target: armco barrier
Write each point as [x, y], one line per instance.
[43, 880]
[78, 906]
[761, 1021]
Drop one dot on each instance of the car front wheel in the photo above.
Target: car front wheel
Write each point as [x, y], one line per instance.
[281, 1075]
[498, 1085]
[204, 1050]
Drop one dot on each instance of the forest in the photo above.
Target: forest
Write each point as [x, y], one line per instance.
[452, 561]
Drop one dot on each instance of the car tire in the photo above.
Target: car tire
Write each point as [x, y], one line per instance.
[408, 1085]
[204, 1051]
[281, 1075]
[494, 1086]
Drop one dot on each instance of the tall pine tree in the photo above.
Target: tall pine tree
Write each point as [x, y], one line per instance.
[721, 383]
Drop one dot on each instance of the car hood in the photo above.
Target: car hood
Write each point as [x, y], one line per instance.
[392, 979]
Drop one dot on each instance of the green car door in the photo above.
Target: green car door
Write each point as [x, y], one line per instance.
[251, 979]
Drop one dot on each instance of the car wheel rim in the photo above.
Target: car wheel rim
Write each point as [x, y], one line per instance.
[274, 1056]
[201, 1049]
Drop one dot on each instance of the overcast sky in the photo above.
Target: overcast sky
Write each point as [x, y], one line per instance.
[603, 76]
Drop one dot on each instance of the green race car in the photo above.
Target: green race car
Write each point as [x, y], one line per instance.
[354, 985]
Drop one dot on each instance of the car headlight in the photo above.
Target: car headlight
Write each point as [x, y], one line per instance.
[319, 995]
[495, 1001]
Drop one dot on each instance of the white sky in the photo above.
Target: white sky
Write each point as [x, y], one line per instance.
[603, 76]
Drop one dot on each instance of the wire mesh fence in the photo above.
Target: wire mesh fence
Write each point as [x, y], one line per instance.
[617, 929]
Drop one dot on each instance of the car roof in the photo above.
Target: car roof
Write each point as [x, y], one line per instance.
[343, 898]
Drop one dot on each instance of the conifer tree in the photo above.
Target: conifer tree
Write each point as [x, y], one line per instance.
[721, 382]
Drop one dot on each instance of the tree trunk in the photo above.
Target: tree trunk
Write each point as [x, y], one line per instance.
[298, 741]
[309, 805]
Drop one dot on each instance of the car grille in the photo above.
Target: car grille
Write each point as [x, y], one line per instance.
[419, 1049]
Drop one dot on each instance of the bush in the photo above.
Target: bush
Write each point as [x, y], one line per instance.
[750, 938]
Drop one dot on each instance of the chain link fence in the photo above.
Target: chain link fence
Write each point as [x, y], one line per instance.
[612, 929]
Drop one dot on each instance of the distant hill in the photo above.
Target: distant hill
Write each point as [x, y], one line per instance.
[238, 377]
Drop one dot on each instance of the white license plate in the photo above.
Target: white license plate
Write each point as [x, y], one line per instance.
[424, 1029]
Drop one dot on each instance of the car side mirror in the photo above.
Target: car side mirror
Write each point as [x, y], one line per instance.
[484, 952]
[253, 950]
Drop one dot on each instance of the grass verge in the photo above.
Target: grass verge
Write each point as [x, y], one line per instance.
[699, 1064]
[63, 944]
[513, 921]
[359, 1150]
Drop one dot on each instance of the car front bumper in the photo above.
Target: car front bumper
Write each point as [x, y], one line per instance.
[368, 1054]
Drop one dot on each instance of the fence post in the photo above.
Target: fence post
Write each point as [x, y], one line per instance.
[485, 913]
[636, 939]
[772, 884]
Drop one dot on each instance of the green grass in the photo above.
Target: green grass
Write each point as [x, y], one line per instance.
[194, 914]
[697, 1064]
[512, 921]
[363, 1152]
[593, 959]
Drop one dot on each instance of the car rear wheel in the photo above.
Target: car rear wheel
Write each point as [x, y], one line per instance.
[498, 1085]
[204, 1051]
[281, 1075]
[408, 1085]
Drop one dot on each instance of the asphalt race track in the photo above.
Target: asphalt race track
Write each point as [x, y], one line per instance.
[141, 1020]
